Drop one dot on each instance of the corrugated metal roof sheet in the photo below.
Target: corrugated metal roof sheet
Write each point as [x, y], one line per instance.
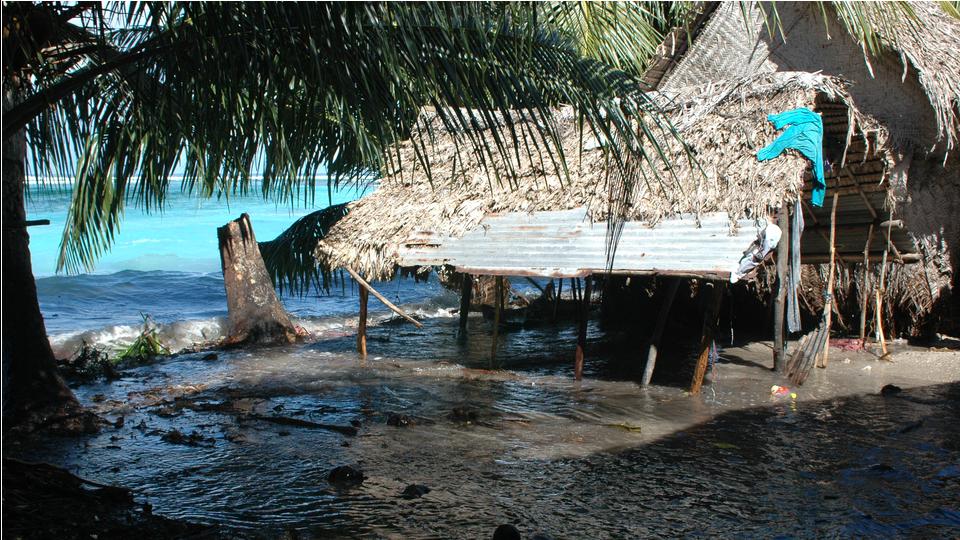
[567, 244]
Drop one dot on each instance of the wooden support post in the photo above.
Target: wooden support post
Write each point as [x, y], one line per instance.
[466, 294]
[828, 305]
[556, 302]
[668, 297]
[362, 324]
[711, 312]
[780, 301]
[865, 283]
[497, 307]
[584, 315]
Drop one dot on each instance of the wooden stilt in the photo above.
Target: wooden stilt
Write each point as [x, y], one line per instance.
[497, 307]
[780, 301]
[865, 283]
[556, 302]
[711, 312]
[828, 305]
[362, 325]
[584, 314]
[669, 294]
[466, 293]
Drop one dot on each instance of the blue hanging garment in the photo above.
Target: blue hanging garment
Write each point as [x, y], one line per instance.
[804, 133]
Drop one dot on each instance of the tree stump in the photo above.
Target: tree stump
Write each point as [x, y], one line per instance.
[255, 314]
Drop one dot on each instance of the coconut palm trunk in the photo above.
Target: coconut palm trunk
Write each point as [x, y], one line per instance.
[33, 390]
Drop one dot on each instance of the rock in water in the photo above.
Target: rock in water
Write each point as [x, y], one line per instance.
[464, 415]
[345, 476]
[398, 420]
[506, 532]
[415, 491]
[890, 390]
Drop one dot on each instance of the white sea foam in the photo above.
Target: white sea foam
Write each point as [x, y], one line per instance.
[178, 335]
[175, 336]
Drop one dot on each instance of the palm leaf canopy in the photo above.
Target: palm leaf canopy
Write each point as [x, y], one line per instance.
[120, 96]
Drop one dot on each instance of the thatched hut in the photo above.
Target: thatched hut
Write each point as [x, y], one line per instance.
[413, 221]
[890, 136]
[912, 91]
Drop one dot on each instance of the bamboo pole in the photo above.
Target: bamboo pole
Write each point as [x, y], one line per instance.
[671, 292]
[584, 313]
[880, 338]
[362, 325]
[497, 307]
[779, 305]
[466, 292]
[828, 305]
[865, 296]
[881, 291]
[363, 283]
[711, 312]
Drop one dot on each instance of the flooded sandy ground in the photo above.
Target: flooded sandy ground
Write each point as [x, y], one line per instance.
[525, 444]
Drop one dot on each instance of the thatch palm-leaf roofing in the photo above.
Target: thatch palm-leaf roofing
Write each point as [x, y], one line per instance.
[729, 41]
[722, 126]
[930, 47]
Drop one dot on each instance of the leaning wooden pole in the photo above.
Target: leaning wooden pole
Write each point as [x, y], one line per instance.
[780, 301]
[710, 315]
[466, 293]
[584, 315]
[363, 283]
[652, 350]
[362, 324]
[828, 303]
[497, 308]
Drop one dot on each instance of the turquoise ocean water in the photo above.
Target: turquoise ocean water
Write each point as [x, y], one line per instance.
[183, 237]
[167, 265]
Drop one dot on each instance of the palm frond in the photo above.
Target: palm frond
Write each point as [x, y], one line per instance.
[233, 92]
[289, 257]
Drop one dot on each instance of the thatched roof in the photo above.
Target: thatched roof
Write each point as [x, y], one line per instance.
[931, 49]
[724, 47]
[723, 125]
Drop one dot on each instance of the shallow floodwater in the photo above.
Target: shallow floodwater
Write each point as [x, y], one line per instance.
[527, 445]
